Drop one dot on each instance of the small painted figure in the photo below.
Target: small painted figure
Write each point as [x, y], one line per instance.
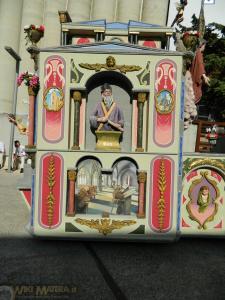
[107, 116]
[204, 198]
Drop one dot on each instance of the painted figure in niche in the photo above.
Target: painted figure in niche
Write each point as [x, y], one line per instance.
[107, 116]
[164, 102]
[85, 196]
[122, 198]
[53, 99]
[204, 198]
[203, 194]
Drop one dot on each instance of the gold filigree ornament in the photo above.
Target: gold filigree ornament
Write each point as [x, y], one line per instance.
[53, 99]
[110, 65]
[105, 226]
[161, 187]
[51, 183]
[164, 102]
[202, 225]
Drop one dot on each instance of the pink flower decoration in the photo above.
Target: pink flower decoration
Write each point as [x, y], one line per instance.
[42, 28]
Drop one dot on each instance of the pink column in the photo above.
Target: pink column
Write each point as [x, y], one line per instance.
[71, 193]
[31, 117]
[141, 194]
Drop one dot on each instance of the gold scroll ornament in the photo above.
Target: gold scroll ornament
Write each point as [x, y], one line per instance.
[105, 226]
[110, 65]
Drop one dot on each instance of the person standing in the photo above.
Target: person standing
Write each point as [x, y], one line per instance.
[2, 154]
[18, 156]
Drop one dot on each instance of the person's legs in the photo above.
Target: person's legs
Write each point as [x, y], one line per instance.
[1, 160]
[22, 160]
[16, 162]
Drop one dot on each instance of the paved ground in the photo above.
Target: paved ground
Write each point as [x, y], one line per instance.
[188, 269]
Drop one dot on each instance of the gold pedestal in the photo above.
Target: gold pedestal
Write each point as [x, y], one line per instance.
[108, 140]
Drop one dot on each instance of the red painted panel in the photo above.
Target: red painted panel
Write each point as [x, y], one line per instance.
[216, 175]
[150, 44]
[167, 195]
[83, 41]
[219, 226]
[165, 80]
[27, 195]
[191, 175]
[184, 224]
[51, 170]
[54, 77]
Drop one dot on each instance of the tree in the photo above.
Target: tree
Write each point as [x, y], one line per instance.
[214, 95]
[213, 99]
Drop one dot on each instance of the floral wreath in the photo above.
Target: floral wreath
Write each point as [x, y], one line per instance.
[30, 80]
[28, 29]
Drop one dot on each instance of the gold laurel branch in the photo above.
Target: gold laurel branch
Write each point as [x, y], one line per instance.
[161, 201]
[105, 226]
[51, 184]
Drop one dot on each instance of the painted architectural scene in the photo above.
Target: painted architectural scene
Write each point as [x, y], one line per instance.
[106, 192]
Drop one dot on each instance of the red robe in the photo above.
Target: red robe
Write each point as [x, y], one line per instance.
[197, 70]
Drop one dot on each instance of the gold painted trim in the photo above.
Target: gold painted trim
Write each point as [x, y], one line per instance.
[105, 226]
[62, 99]
[161, 201]
[206, 161]
[188, 206]
[159, 110]
[51, 184]
[110, 65]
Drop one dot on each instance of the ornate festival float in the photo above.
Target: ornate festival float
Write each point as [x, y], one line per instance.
[106, 135]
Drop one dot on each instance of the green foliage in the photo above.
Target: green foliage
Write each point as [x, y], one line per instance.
[214, 57]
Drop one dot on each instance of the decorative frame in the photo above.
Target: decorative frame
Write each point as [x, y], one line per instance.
[170, 106]
[188, 206]
[46, 105]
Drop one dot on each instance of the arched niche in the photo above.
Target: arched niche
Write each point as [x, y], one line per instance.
[125, 172]
[89, 172]
[122, 93]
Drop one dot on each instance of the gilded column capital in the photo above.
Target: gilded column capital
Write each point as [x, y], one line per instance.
[77, 96]
[142, 176]
[72, 175]
[142, 97]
